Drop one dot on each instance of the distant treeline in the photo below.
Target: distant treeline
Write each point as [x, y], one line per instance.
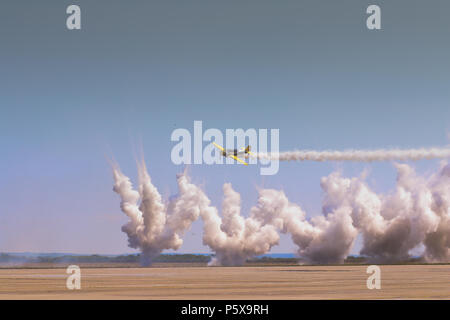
[170, 258]
[131, 258]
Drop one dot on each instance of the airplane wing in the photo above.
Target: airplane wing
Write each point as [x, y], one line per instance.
[218, 146]
[237, 159]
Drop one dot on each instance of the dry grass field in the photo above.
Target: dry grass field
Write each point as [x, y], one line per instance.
[249, 282]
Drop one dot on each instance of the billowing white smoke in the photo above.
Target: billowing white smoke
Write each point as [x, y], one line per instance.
[233, 238]
[154, 226]
[416, 213]
[322, 240]
[358, 155]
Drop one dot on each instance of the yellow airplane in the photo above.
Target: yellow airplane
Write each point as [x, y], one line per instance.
[235, 153]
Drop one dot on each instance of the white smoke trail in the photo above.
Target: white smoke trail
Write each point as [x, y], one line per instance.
[358, 155]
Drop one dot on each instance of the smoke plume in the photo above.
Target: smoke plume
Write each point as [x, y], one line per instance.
[154, 226]
[415, 214]
[321, 240]
[233, 238]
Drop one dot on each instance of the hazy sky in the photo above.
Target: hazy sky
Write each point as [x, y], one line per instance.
[137, 70]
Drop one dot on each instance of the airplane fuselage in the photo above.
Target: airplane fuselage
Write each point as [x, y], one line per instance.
[233, 152]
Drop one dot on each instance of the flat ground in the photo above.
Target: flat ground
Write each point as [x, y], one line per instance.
[249, 282]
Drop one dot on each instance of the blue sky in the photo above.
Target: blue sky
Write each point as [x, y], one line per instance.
[137, 71]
